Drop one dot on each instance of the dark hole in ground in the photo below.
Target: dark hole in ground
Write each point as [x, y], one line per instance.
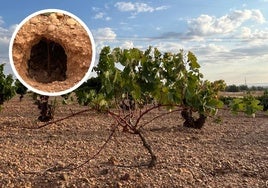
[48, 62]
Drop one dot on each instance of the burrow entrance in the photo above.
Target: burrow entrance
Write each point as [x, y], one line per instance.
[48, 62]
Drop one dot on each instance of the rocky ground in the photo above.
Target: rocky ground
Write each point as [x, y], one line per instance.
[232, 153]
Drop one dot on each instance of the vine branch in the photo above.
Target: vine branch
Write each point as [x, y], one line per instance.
[58, 120]
[156, 117]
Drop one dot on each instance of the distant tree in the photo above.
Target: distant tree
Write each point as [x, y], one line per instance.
[253, 88]
[257, 88]
[243, 88]
[260, 88]
[232, 88]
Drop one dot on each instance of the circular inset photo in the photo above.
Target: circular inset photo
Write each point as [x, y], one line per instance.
[52, 52]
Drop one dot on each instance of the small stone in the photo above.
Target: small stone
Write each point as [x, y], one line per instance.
[55, 21]
[118, 185]
[34, 21]
[28, 185]
[199, 180]
[187, 174]
[245, 180]
[11, 184]
[64, 177]
[53, 16]
[112, 161]
[139, 175]
[125, 177]
[85, 180]
[51, 28]
[104, 171]
[71, 22]
[60, 164]
[59, 15]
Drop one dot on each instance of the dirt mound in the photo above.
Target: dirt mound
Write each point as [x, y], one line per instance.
[52, 52]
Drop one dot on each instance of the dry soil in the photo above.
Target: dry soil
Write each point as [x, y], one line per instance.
[232, 153]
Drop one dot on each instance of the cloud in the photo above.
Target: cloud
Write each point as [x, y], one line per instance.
[127, 45]
[136, 8]
[125, 6]
[142, 7]
[170, 35]
[245, 33]
[206, 25]
[96, 9]
[181, 37]
[174, 47]
[101, 16]
[4, 42]
[210, 49]
[1, 20]
[103, 37]
[253, 36]
[161, 8]
[104, 34]
[260, 34]
[253, 50]
[13, 27]
[108, 18]
[5, 36]
[101, 13]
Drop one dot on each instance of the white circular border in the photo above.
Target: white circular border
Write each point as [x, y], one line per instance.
[93, 47]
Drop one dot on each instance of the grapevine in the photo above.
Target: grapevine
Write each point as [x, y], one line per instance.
[248, 104]
[20, 89]
[7, 89]
[148, 81]
[264, 100]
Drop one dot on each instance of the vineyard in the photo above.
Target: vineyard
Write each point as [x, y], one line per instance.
[148, 119]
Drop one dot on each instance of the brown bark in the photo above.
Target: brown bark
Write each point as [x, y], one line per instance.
[190, 121]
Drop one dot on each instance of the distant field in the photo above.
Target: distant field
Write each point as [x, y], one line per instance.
[241, 94]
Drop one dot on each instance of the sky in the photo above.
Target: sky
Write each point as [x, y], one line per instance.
[229, 38]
